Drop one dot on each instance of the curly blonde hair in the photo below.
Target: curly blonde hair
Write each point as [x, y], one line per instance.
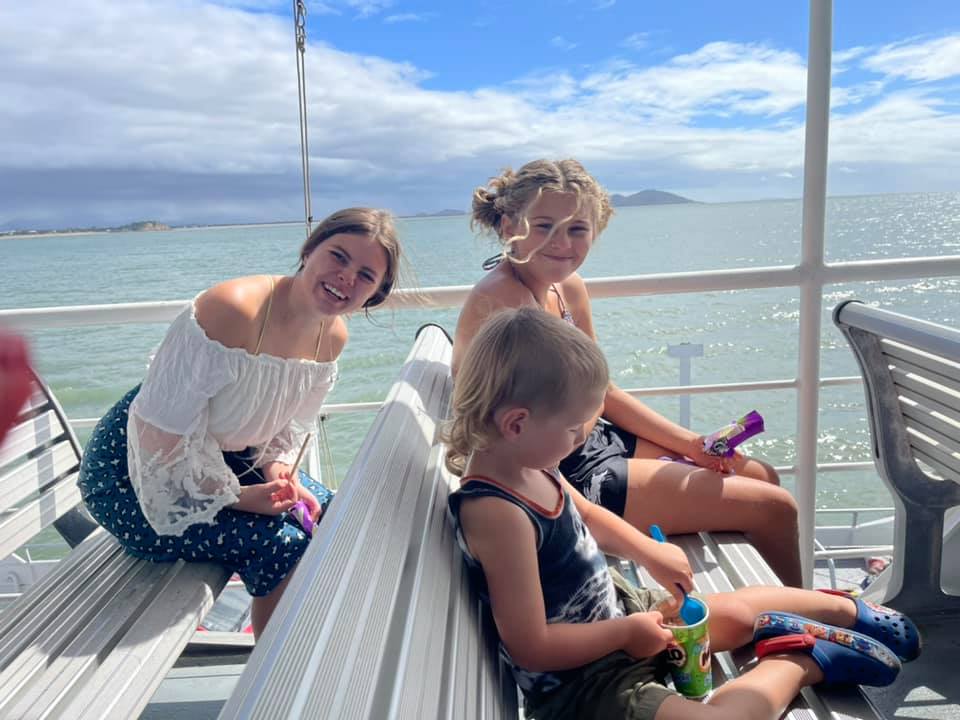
[512, 193]
[522, 357]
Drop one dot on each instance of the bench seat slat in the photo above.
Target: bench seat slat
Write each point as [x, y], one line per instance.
[945, 472]
[933, 393]
[932, 444]
[25, 618]
[948, 414]
[935, 385]
[926, 417]
[124, 683]
[37, 473]
[28, 434]
[37, 402]
[35, 515]
[923, 363]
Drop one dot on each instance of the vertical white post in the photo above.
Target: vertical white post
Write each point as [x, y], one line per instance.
[811, 289]
[685, 351]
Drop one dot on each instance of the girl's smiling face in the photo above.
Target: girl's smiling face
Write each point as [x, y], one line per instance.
[343, 272]
[561, 234]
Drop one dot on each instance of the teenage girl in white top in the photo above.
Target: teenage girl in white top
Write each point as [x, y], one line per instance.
[195, 463]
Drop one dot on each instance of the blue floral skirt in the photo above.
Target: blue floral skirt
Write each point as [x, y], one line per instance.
[261, 549]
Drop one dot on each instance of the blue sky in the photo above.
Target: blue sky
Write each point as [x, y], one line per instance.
[185, 110]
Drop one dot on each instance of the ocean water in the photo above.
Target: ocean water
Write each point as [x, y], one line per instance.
[747, 335]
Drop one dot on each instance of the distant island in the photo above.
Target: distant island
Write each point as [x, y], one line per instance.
[439, 213]
[139, 226]
[644, 197]
[648, 197]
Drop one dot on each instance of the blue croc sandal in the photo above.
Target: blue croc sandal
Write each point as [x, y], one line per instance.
[840, 664]
[892, 628]
[844, 656]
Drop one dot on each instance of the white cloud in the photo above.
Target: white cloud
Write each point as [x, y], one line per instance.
[367, 8]
[844, 56]
[925, 61]
[404, 17]
[721, 78]
[558, 41]
[193, 89]
[603, 4]
[636, 41]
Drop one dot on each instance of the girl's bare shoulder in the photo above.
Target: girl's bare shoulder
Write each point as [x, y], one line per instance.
[499, 289]
[574, 288]
[337, 337]
[228, 312]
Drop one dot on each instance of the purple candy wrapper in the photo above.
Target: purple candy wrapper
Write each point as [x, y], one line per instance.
[722, 442]
[301, 514]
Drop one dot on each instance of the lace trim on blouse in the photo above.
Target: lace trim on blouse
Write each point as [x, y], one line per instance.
[199, 398]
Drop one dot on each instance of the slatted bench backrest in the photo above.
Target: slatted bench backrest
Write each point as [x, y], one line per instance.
[379, 621]
[911, 372]
[39, 462]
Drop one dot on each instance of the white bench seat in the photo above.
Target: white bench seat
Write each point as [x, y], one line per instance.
[379, 621]
[97, 634]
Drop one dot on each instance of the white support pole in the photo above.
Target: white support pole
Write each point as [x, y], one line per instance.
[812, 271]
[685, 352]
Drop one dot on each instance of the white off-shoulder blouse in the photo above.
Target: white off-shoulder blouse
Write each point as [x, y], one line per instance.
[200, 398]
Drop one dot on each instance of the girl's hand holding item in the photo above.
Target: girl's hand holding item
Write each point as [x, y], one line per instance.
[308, 498]
[296, 490]
[646, 635]
[276, 471]
[269, 498]
[716, 463]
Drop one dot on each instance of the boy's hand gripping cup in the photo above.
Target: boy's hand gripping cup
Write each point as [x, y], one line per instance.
[689, 654]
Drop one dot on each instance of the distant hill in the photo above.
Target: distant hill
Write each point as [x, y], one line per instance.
[143, 225]
[140, 226]
[648, 197]
[439, 213]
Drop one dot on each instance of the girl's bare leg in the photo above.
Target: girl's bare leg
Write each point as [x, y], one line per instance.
[684, 499]
[261, 608]
[761, 694]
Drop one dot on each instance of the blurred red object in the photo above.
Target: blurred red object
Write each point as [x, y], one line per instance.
[15, 379]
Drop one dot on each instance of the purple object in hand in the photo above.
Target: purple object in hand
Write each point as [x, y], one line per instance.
[722, 442]
[301, 513]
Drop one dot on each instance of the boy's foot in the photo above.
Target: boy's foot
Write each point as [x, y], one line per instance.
[840, 663]
[892, 628]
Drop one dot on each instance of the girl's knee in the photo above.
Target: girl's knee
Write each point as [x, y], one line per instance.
[768, 473]
[732, 615]
[777, 508]
[760, 470]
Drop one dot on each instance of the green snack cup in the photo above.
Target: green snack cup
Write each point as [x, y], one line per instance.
[689, 654]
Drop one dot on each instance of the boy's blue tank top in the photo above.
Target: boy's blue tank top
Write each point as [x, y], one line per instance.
[577, 586]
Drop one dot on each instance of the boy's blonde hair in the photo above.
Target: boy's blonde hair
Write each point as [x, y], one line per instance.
[512, 193]
[521, 357]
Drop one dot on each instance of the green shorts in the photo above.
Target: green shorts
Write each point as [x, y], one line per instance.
[614, 687]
